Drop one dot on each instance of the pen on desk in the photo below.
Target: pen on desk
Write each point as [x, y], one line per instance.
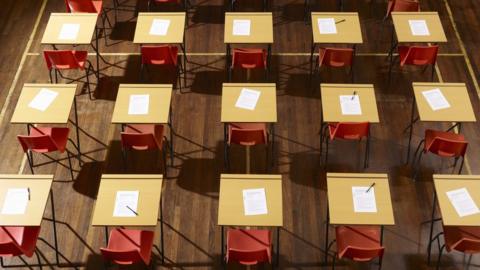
[28, 189]
[340, 21]
[136, 214]
[354, 94]
[370, 187]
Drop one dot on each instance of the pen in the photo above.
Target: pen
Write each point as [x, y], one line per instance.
[371, 186]
[354, 94]
[28, 189]
[136, 214]
[340, 21]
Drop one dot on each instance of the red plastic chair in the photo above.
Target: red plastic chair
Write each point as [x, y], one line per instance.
[58, 60]
[163, 55]
[126, 247]
[246, 134]
[418, 56]
[336, 58]
[249, 247]
[145, 137]
[462, 239]
[45, 140]
[18, 241]
[443, 144]
[186, 3]
[401, 6]
[346, 131]
[248, 59]
[358, 243]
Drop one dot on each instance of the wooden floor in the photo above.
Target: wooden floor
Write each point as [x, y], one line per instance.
[190, 197]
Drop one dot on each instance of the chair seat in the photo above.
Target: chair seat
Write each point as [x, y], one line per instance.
[157, 131]
[430, 135]
[128, 239]
[257, 133]
[80, 56]
[454, 235]
[350, 131]
[59, 137]
[357, 237]
[25, 239]
[160, 55]
[250, 58]
[249, 240]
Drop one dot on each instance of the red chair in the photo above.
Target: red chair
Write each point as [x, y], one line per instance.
[163, 55]
[245, 134]
[336, 58]
[186, 3]
[45, 140]
[127, 247]
[358, 243]
[58, 60]
[401, 6]
[249, 247]
[417, 56]
[443, 144]
[145, 137]
[462, 239]
[346, 131]
[18, 241]
[248, 59]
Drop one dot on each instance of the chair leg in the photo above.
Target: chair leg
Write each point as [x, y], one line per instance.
[178, 78]
[433, 73]
[149, 5]
[327, 142]
[440, 253]
[38, 259]
[164, 156]
[70, 165]
[50, 76]
[56, 76]
[334, 261]
[367, 152]
[87, 73]
[418, 166]
[124, 157]
[230, 71]
[30, 160]
[142, 68]
[461, 165]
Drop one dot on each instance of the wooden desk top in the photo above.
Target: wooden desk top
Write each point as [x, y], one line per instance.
[230, 205]
[265, 111]
[404, 34]
[174, 34]
[158, 108]
[58, 111]
[340, 199]
[443, 184]
[261, 27]
[331, 108]
[348, 31]
[460, 110]
[39, 191]
[87, 23]
[150, 189]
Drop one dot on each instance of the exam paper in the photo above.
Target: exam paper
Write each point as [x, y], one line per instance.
[159, 27]
[436, 99]
[462, 202]
[350, 105]
[138, 104]
[124, 200]
[248, 99]
[43, 99]
[327, 25]
[363, 201]
[16, 201]
[69, 31]
[241, 27]
[419, 27]
[254, 202]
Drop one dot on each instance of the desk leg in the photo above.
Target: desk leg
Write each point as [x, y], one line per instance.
[106, 236]
[327, 224]
[97, 51]
[277, 251]
[227, 61]
[171, 135]
[412, 121]
[54, 227]
[312, 50]
[381, 235]
[222, 256]
[161, 232]
[183, 47]
[225, 146]
[432, 221]
[272, 132]
[115, 7]
[269, 60]
[77, 130]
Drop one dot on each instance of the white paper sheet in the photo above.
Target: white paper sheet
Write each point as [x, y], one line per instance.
[462, 202]
[138, 104]
[125, 202]
[241, 27]
[350, 105]
[43, 99]
[363, 201]
[254, 202]
[69, 31]
[327, 26]
[16, 201]
[248, 99]
[436, 99]
[419, 27]
[159, 27]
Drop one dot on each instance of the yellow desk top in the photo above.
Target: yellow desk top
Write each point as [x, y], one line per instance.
[264, 112]
[39, 186]
[261, 27]
[87, 22]
[58, 111]
[340, 199]
[348, 28]
[404, 34]
[230, 205]
[150, 189]
[443, 184]
[331, 108]
[175, 30]
[456, 94]
[160, 96]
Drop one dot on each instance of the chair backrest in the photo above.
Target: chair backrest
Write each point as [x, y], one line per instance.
[85, 6]
[336, 57]
[362, 254]
[139, 141]
[447, 147]
[124, 257]
[420, 56]
[470, 246]
[248, 257]
[402, 6]
[61, 59]
[351, 131]
[39, 144]
[159, 55]
[9, 235]
[247, 137]
[249, 58]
